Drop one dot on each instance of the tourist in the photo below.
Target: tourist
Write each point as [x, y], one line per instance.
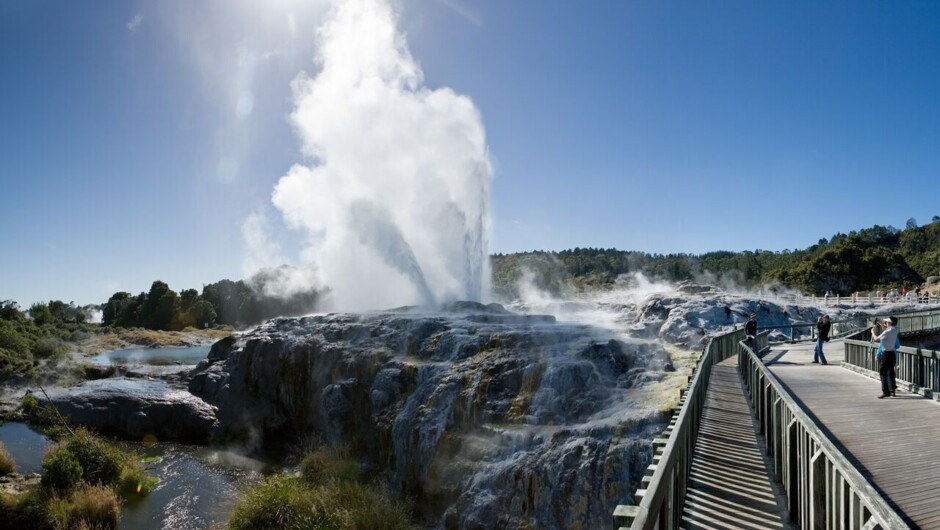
[887, 358]
[828, 296]
[822, 335]
[750, 332]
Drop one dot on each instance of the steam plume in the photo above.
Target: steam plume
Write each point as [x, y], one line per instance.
[395, 199]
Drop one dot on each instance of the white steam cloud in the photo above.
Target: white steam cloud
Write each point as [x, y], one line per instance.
[396, 199]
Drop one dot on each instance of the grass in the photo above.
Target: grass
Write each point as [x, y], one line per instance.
[121, 338]
[327, 464]
[327, 495]
[7, 464]
[95, 507]
[84, 482]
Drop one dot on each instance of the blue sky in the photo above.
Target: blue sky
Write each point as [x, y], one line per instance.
[136, 137]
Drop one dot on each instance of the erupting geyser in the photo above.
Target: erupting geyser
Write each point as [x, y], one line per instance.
[395, 195]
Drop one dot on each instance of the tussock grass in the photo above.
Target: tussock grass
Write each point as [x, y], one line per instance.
[7, 464]
[328, 463]
[92, 507]
[327, 495]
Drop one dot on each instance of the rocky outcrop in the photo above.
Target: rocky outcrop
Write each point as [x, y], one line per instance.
[16, 483]
[488, 419]
[136, 408]
[689, 320]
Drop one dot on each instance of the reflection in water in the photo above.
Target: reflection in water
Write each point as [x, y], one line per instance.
[198, 486]
[25, 445]
[197, 489]
[153, 356]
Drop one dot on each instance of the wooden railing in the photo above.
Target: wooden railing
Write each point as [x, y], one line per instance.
[823, 489]
[862, 299]
[661, 497]
[917, 370]
[807, 330]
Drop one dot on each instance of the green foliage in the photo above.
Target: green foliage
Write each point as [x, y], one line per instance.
[92, 507]
[26, 511]
[101, 462]
[29, 405]
[25, 342]
[41, 314]
[61, 471]
[82, 478]
[328, 495]
[326, 464]
[288, 502]
[880, 257]
[7, 464]
[134, 482]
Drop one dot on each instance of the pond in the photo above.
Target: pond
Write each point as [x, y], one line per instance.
[198, 485]
[25, 445]
[153, 356]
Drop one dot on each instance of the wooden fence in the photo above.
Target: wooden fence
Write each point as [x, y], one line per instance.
[659, 501]
[823, 489]
[917, 370]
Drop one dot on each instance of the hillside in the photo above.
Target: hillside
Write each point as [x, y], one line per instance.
[869, 259]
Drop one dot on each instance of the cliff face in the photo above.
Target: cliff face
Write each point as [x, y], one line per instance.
[486, 418]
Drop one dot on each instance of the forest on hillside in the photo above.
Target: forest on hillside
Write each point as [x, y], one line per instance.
[873, 258]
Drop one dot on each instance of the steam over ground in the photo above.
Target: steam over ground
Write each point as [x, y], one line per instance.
[394, 196]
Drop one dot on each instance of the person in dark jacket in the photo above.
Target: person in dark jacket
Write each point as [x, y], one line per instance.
[822, 335]
[750, 332]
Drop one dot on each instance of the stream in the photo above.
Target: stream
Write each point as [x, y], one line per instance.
[198, 485]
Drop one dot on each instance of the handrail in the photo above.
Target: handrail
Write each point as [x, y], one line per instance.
[865, 299]
[811, 458]
[807, 330]
[917, 369]
[659, 505]
[823, 489]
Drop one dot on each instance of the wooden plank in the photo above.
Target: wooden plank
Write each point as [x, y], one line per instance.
[892, 441]
[730, 486]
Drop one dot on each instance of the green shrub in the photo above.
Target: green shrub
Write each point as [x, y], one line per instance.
[134, 482]
[78, 336]
[101, 462]
[29, 405]
[61, 471]
[326, 464]
[48, 347]
[26, 511]
[92, 507]
[7, 465]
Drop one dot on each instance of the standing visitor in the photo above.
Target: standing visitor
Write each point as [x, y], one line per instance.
[822, 335]
[750, 332]
[887, 358]
[828, 296]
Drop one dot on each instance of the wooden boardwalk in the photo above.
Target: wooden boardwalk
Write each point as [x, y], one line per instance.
[730, 486]
[894, 442]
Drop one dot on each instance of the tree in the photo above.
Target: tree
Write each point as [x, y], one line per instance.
[10, 310]
[41, 314]
[117, 309]
[203, 313]
[159, 307]
[911, 223]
